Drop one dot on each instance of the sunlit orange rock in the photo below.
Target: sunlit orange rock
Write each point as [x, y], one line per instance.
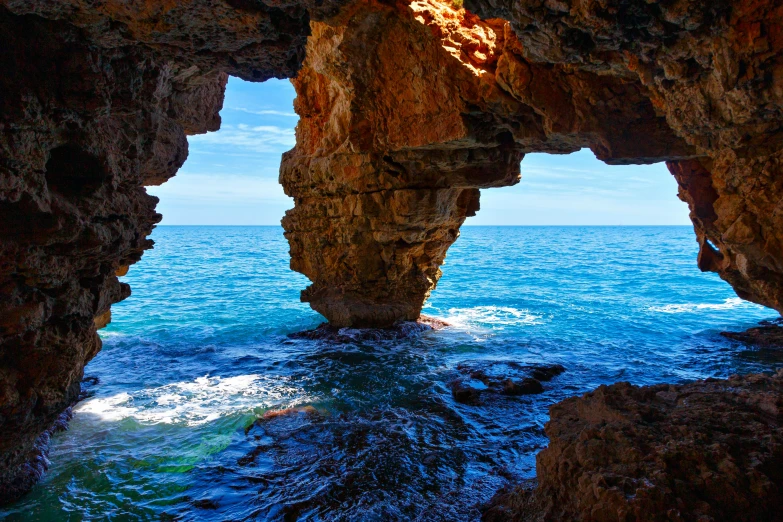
[406, 110]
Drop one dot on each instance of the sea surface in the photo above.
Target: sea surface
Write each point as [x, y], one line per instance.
[201, 350]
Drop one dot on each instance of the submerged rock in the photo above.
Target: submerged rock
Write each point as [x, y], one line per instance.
[709, 451]
[299, 410]
[768, 335]
[547, 373]
[492, 378]
[400, 330]
[464, 392]
[526, 386]
[36, 462]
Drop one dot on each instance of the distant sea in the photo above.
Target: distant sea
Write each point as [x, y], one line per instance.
[200, 350]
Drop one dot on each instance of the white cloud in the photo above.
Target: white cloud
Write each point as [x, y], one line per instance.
[259, 139]
[263, 112]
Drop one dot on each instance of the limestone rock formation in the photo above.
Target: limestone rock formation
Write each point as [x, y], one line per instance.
[711, 450]
[406, 110]
[96, 100]
[715, 71]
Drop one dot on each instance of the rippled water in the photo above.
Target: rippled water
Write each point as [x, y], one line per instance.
[200, 351]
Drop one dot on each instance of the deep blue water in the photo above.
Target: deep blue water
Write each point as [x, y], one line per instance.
[201, 350]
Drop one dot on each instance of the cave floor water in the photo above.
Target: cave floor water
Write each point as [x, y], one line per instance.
[201, 350]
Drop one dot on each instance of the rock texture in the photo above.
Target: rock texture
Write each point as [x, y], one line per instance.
[769, 334]
[711, 450]
[96, 100]
[407, 109]
[714, 70]
[479, 380]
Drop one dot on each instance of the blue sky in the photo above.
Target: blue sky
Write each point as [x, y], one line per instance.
[230, 177]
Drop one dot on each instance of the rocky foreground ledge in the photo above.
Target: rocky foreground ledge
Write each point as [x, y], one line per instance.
[707, 451]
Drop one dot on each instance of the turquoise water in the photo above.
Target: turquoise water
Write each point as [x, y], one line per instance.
[201, 350]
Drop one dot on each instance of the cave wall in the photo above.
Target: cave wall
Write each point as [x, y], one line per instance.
[96, 101]
[407, 109]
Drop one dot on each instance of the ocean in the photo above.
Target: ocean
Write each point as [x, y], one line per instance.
[201, 350]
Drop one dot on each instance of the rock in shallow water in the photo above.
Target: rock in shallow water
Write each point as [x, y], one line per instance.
[711, 451]
[491, 378]
[400, 330]
[768, 335]
[526, 386]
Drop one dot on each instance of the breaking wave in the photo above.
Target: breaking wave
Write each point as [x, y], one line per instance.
[195, 402]
[493, 317]
[728, 304]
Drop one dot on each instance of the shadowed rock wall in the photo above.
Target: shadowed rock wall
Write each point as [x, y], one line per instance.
[407, 109]
[96, 100]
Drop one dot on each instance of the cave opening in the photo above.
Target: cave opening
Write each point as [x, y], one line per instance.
[231, 175]
[578, 189]
[200, 389]
[574, 223]
[218, 395]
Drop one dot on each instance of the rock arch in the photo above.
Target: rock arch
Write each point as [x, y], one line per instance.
[407, 108]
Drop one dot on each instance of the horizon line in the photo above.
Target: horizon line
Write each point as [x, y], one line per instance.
[463, 226]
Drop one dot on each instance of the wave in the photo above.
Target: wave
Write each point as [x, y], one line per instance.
[491, 316]
[107, 335]
[728, 304]
[194, 402]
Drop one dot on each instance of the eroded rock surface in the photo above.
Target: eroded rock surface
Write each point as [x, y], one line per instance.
[490, 379]
[769, 334]
[407, 109]
[96, 100]
[710, 450]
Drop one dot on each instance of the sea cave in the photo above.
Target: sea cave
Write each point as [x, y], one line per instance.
[407, 111]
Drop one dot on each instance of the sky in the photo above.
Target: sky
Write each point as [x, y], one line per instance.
[230, 177]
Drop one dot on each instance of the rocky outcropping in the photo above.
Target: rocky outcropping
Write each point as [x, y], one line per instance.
[96, 101]
[478, 380]
[407, 110]
[710, 450]
[769, 334]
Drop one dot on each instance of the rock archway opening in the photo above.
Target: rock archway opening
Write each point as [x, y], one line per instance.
[231, 175]
[407, 110]
[578, 189]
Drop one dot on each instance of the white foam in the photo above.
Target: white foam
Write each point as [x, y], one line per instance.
[496, 317]
[107, 335]
[728, 304]
[193, 402]
[113, 408]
